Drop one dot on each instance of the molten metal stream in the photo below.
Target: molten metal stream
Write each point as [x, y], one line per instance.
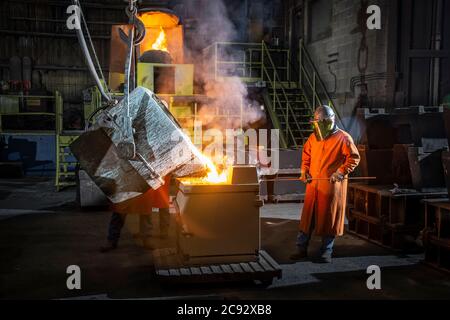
[213, 176]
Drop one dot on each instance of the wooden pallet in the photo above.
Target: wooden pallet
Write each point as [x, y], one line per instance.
[169, 268]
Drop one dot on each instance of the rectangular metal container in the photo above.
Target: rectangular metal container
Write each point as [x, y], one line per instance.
[446, 167]
[426, 168]
[375, 129]
[88, 193]
[447, 123]
[401, 172]
[219, 223]
[403, 126]
[376, 163]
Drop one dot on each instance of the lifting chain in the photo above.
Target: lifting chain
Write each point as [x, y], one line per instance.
[131, 12]
[135, 36]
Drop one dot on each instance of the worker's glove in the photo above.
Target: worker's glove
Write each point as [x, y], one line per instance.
[336, 177]
[306, 177]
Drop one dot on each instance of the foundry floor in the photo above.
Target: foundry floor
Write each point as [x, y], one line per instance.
[42, 232]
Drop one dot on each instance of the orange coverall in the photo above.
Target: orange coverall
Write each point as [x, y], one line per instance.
[325, 201]
[144, 203]
[141, 205]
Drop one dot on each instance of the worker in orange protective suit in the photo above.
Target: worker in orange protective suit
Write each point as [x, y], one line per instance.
[329, 155]
[142, 205]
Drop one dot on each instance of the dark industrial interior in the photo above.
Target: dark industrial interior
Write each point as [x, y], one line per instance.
[93, 91]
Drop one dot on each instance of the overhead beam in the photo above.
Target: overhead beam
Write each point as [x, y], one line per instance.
[49, 34]
[56, 68]
[64, 21]
[84, 4]
[68, 3]
[418, 53]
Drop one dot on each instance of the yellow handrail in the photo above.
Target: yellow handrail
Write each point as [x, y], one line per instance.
[288, 129]
[288, 105]
[261, 67]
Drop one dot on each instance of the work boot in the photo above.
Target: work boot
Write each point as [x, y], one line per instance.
[108, 247]
[325, 256]
[302, 252]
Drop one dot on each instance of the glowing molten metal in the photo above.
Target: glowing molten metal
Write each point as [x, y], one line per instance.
[213, 176]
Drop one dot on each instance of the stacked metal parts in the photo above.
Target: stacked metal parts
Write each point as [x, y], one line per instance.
[446, 154]
[403, 147]
[161, 146]
[406, 151]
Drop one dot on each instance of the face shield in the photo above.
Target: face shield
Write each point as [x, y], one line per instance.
[323, 128]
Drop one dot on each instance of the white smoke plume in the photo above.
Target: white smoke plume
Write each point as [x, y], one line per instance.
[230, 94]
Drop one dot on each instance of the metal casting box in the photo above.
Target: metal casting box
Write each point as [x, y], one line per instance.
[219, 223]
[88, 193]
[426, 168]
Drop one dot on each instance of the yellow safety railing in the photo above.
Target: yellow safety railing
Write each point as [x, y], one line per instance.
[65, 162]
[243, 60]
[274, 78]
[253, 62]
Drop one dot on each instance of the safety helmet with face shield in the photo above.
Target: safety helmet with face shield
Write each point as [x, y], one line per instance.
[324, 123]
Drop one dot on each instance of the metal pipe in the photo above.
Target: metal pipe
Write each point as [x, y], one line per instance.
[61, 3]
[89, 62]
[317, 179]
[64, 21]
[128, 62]
[47, 34]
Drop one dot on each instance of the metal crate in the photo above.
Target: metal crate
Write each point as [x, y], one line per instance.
[437, 233]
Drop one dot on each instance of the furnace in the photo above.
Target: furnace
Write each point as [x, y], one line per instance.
[219, 223]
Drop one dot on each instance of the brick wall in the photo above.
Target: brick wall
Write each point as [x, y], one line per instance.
[345, 40]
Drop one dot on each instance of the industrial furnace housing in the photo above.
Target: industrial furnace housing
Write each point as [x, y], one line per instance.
[159, 58]
[160, 65]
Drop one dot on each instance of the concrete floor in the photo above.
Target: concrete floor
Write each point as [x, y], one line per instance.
[43, 232]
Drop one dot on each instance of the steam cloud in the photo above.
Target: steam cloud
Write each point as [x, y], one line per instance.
[227, 95]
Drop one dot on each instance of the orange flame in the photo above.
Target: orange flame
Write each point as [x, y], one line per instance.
[160, 42]
[213, 176]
